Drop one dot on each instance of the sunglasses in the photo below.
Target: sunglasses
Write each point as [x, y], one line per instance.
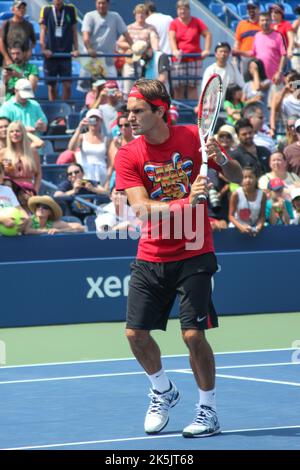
[227, 136]
[291, 126]
[124, 125]
[43, 206]
[73, 173]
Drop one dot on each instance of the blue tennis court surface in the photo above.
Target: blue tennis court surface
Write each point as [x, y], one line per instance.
[102, 404]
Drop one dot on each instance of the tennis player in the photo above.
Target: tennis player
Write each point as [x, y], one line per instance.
[160, 173]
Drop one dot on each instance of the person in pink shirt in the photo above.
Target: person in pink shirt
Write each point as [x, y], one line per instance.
[270, 49]
[282, 26]
[184, 34]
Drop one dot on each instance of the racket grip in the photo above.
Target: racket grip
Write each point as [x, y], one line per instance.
[201, 199]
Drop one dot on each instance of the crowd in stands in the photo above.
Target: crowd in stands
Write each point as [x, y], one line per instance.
[259, 125]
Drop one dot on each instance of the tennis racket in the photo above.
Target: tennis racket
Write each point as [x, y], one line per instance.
[208, 111]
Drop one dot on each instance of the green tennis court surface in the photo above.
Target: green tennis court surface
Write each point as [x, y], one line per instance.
[106, 340]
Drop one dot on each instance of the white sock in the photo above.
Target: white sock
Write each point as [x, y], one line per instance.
[160, 381]
[208, 398]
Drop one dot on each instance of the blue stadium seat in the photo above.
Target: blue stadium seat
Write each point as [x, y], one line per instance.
[73, 120]
[54, 173]
[50, 158]
[242, 10]
[5, 7]
[56, 110]
[71, 218]
[232, 6]
[89, 222]
[233, 24]
[217, 9]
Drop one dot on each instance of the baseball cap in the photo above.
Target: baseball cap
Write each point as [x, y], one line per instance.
[252, 4]
[99, 82]
[111, 84]
[18, 3]
[277, 7]
[25, 88]
[275, 184]
[226, 129]
[295, 192]
[297, 124]
[94, 113]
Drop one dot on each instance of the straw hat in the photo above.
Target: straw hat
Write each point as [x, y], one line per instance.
[47, 201]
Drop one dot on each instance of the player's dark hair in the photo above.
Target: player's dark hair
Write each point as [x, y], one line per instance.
[153, 90]
[241, 124]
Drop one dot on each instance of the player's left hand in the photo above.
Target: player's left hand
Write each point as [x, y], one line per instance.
[213, 150]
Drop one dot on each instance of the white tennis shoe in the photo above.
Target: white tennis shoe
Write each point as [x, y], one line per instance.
[157, 416]
[205, 424]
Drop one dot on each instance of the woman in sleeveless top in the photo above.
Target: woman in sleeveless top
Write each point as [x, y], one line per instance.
[278, 165]
[20, 161]
[93, 148]
[247, 205]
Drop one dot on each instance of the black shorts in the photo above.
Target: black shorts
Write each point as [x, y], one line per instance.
[57, 68]
[153, 289]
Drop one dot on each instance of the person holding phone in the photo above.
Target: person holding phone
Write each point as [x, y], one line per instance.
[93, 148]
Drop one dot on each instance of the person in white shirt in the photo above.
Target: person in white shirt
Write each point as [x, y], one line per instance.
[254, 112]
[161, 23]
[228, 71]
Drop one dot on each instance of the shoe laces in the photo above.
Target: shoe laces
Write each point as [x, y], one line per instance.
[159, 402]
[204, 416]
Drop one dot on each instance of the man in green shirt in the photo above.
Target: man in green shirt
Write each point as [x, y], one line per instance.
[18, 69]
[23, 107]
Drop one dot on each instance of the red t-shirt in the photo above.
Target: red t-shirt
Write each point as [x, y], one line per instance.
[167, 172]
[283, 27]
[188, 36]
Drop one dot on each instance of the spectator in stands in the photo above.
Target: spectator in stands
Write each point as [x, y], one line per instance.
[296, 30]
[269, 47]
[286, 102]
[245, 32]
[295, 196]
[24, 191]
[110, 109]
[290, 136]
[279, 211]
[228, 71]
[7, 196]
[46, 218]
[101, 29]
[278, 165]
[77, 185]
[161, 23]
[19, 68]
[254, 112]
[282, 26]
[116, 215]
[247, 205]
[92, 148]
[292, 152]
[233, 104]
[185, 33]
[256, 88]
[23, 107]
[20, 161]
[4, 123]
[144, 36]
[17, 30]
[96, 95]
[247, 153]
[227, 138]
[58, 35]
[124, 138]
[217, 203]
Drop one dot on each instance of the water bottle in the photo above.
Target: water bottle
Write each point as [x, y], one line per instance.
[2, 91]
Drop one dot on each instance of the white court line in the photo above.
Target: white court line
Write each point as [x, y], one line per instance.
[142, 438]
[121, 374]
[253, 379]
[91, 361]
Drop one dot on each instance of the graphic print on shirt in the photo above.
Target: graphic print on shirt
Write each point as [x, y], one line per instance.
[170, 180]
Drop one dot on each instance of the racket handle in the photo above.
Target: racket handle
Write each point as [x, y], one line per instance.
[201, 199]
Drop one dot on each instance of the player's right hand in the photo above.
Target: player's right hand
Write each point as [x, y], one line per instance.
[199, 187]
